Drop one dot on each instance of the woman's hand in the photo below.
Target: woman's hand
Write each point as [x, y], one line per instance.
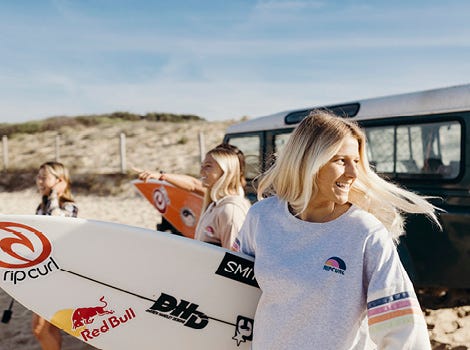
[59, 187]
[146, 175]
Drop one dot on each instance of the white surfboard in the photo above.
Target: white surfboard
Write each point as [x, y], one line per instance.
[120, 287]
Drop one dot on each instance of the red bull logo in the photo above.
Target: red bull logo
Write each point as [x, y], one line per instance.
[86, 315]
[89, 323]
[23, 252]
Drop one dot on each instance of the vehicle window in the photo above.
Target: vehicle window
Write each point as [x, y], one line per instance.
[275, 142]
[250, 145]
[380, 148]
[280, 141]
[427, 150]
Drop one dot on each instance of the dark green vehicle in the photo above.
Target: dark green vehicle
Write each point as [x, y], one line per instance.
[420, 140]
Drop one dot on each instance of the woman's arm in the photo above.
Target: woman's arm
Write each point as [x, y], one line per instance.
[394, 314]
[68, 209]
[182, 181]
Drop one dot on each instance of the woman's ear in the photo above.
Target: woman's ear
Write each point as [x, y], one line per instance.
[60, 186]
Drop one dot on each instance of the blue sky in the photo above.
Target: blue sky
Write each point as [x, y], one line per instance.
[222, 59]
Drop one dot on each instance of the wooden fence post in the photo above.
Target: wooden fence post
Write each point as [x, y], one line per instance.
[123, 152]
[57, 148]
[5, 152]
[202, 148]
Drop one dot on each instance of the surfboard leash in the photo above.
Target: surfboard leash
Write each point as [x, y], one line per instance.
[7, 313]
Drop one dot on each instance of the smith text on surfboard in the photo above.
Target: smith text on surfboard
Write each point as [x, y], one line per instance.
[238, 269]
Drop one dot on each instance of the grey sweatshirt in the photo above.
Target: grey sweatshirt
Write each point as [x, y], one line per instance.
[334, 285]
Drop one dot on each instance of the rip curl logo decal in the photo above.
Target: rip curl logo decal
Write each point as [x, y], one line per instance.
[22, 246]
[188, 217]
[161, 199]
[335, 264]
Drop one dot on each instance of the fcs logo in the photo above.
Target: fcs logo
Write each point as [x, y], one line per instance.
[22, 246]
[243, 330]
[335, 264]
[161, 199]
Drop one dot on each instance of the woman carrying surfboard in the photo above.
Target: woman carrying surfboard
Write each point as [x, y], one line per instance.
[53, 183]
[324, 247]
[221, 183]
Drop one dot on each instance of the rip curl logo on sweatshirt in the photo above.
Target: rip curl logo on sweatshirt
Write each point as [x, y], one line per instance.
[209, 231]
[335, 264]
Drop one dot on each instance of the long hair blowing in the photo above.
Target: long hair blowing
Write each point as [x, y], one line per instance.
[293, 177]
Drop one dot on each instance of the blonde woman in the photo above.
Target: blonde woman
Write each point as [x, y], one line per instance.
[53, 183]
[221, 184]
[324, 247]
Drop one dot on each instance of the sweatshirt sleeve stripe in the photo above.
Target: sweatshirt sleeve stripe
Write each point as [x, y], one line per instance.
[386, 300]
[392, 307]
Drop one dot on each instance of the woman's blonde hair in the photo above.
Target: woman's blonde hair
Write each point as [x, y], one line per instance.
[293, 177]
[231, 161]
[60, 171]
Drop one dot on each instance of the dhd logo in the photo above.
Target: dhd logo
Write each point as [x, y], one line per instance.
[179, 311]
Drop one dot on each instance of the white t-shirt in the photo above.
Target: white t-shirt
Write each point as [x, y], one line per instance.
[222, 220]
[334, 285]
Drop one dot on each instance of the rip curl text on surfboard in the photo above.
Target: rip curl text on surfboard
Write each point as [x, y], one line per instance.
[17, 276]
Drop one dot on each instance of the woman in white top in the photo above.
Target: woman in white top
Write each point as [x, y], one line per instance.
[221, 184]
[324, 247]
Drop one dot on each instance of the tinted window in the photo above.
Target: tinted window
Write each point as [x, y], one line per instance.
[345, 111]
[250, 145]
[280, 141]
[427, 150]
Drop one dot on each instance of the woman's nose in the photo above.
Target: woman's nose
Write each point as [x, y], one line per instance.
[351, 170]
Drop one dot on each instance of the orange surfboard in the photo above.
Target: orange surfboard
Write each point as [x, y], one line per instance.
[179, 207]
